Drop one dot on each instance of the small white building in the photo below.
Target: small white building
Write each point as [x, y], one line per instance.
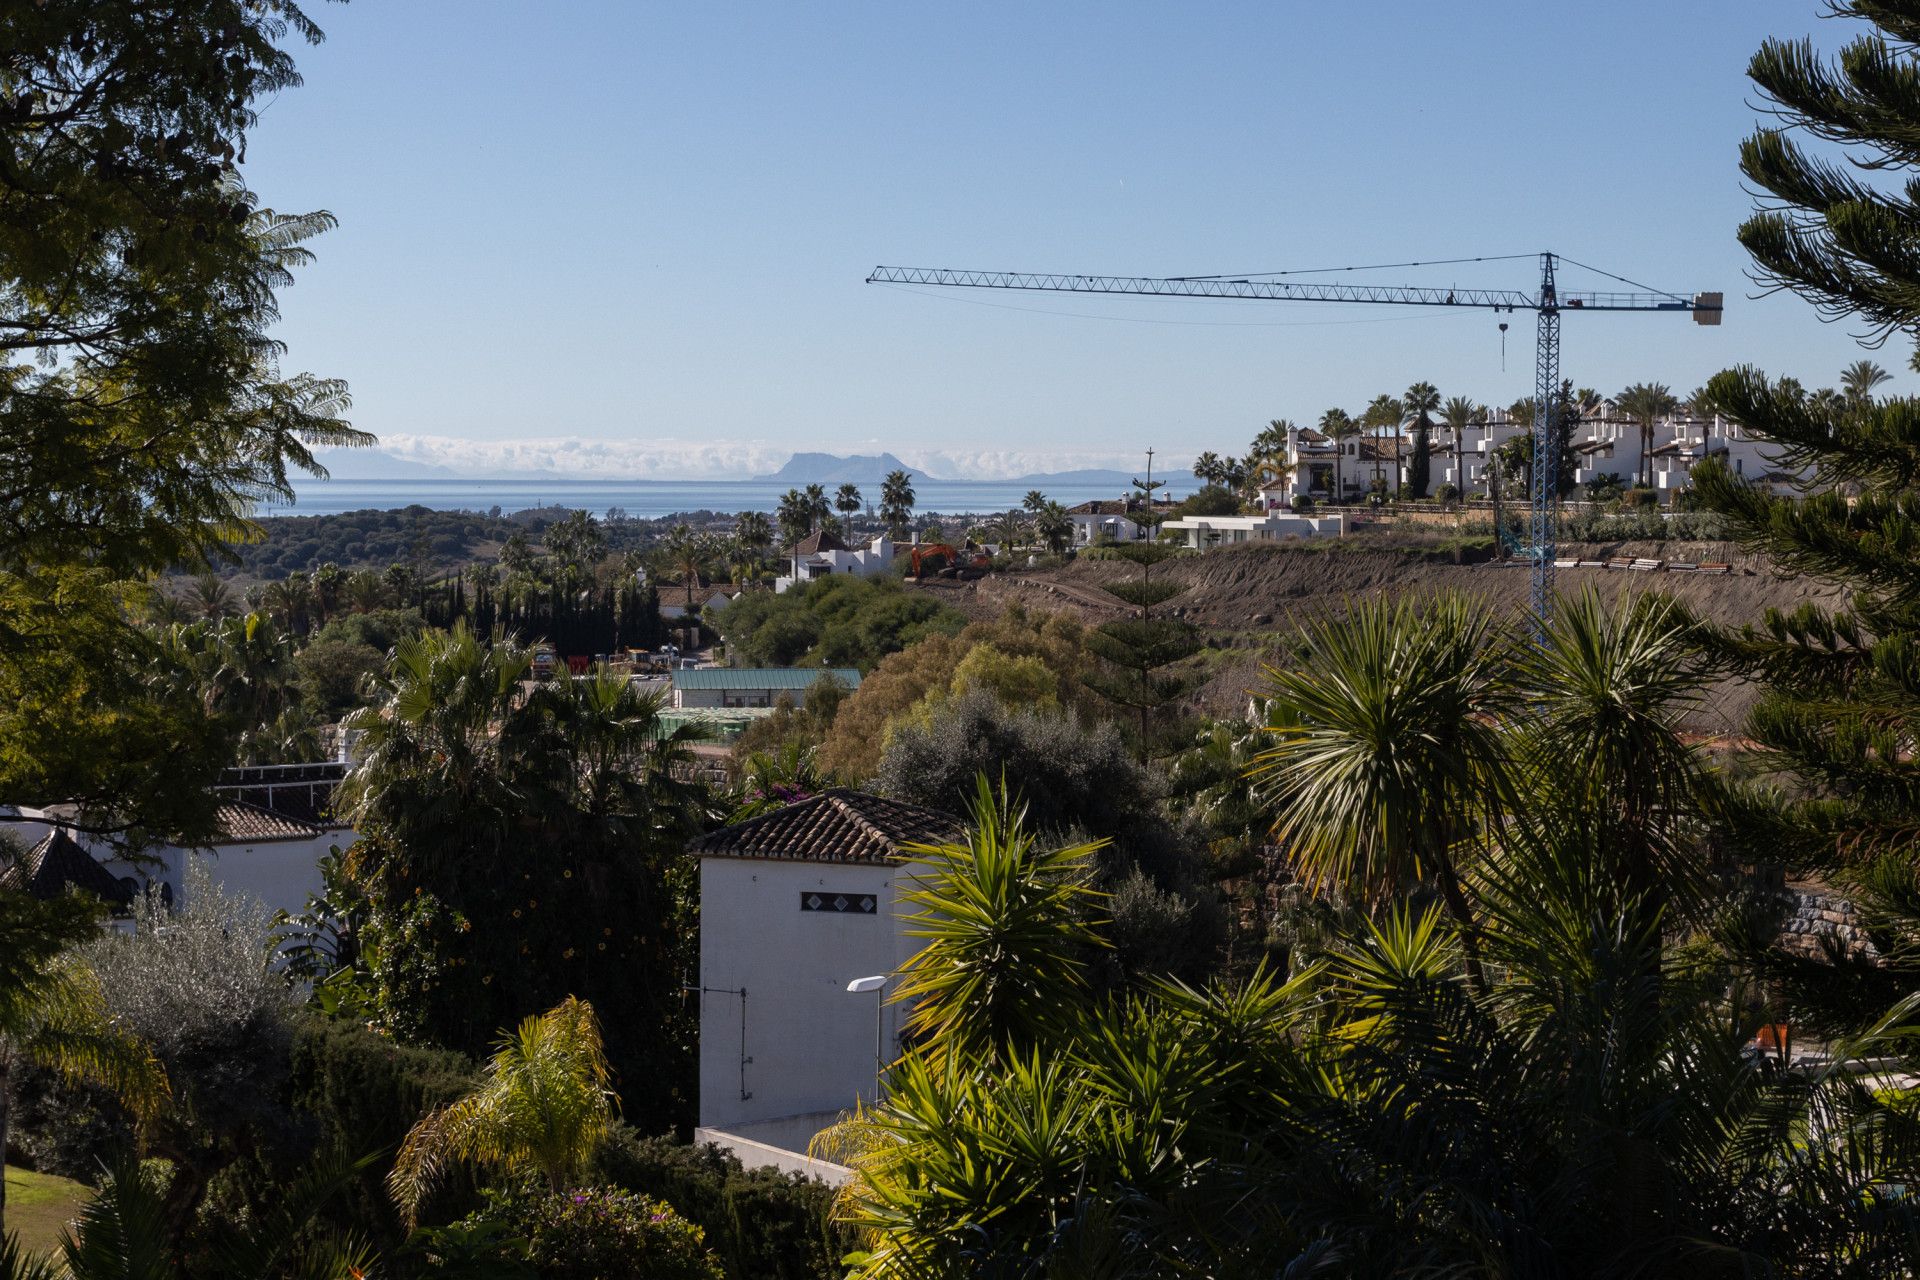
[795, 906]
[821, 555]
[752, 686]
[673, 599]
[1216, 531]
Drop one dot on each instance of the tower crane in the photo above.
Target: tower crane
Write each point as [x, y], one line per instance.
[1547, 306]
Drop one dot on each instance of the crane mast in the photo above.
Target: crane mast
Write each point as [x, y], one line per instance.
[1547, 306]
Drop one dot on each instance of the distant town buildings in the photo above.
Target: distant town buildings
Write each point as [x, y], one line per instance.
[1605, 444]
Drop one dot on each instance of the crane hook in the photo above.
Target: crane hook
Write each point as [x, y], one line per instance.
[1503, 346]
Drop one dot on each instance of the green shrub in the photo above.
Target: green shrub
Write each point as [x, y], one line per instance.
[1447, 493]
[763, 1225]
[602, 1233]
[359, 1091]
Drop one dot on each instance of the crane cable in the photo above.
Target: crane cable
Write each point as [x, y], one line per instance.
[1378, 266]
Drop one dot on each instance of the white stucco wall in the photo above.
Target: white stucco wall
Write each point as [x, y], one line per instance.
[282, 874]
[811, 1041]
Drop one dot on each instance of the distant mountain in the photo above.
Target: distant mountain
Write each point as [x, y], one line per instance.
[827, 468]
[376, 464]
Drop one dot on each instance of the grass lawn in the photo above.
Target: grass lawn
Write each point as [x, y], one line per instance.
[39, 1205]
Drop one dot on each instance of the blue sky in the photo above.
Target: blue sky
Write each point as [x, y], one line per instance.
[630, 238]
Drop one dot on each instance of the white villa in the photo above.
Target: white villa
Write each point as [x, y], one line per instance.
[820, 554]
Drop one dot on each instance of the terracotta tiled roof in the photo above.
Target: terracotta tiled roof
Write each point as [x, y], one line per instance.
[834, 826]
[1117, 507]
[57, 864]
[816, 542]
[243, 823]
[677, 595]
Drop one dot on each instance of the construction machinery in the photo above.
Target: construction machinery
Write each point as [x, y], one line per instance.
[952, 563]
[1547, 306]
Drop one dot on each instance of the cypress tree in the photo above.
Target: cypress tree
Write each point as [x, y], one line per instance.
[1420, 469]
[1842, 702]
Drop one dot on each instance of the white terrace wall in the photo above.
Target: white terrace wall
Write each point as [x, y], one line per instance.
[810, 1042]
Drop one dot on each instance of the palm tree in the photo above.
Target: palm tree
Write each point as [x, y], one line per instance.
[329, 586]
[53, 1013]
[1270, 443]
[896, 501]
[1053, 526]
[290, 601]
[686, 551]
[1458, 414]
[795, 516]
[1007, 530]
[1859, 379]
[752, 535]
[1338, 426]
[212, 598]
[1416, 410]
[1385, 756]
[752, 529]
[847, 501]
[818, 507]
[543, 1109]
[1209, 468]
[1034, 502]
[1382, 411]
[1646, 403]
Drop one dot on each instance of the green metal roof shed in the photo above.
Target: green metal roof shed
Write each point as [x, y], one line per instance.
[773, 678]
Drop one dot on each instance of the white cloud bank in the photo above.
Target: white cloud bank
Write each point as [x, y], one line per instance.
[679, 459]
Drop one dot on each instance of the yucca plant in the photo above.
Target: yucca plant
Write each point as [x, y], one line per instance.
[1386, 758]
[543, 1110]
[1606, 690]
[1007, 939]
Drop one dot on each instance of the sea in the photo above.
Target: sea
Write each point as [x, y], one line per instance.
[646, 499]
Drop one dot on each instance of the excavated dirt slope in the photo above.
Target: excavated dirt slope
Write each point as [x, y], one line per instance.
[1249, 596]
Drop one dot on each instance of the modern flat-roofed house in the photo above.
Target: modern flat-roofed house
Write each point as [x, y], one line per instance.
[752, 686]
[795, 906]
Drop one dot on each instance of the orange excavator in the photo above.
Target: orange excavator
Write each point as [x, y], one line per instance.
[943, 560]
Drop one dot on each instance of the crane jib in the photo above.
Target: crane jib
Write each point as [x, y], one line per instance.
[1287, 291]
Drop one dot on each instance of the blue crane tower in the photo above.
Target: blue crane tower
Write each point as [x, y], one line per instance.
[1547, 305]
